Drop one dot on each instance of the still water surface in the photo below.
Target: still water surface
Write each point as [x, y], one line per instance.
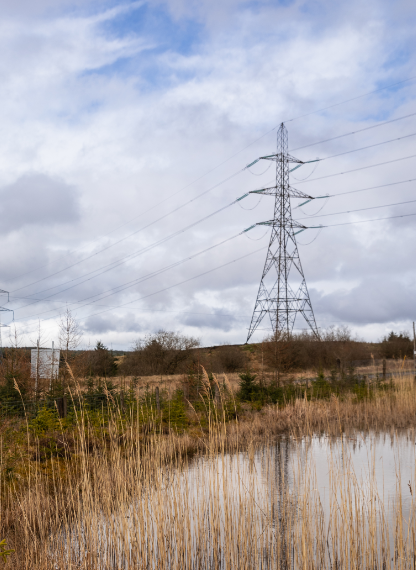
[248, 509]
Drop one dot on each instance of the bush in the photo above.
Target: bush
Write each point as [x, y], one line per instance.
[159, 353]
[46, 420]
[249, 388]
[228, 358]
[396, 345]
[100, 362]
[285, 353]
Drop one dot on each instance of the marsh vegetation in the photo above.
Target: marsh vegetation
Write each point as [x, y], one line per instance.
[208, 470]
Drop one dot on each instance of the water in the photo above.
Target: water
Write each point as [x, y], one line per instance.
[384, 462]
[316, 502]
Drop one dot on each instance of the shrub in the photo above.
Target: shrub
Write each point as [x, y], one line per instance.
[249, 388]
[101, 362]
[159, 353]
[227, 358]
[396, 345]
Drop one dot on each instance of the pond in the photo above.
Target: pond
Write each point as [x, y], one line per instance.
[315, 502]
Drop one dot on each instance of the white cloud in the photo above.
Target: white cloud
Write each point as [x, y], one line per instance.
[127, 141]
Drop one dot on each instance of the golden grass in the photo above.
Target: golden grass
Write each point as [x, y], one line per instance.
[172, 382]
[125, 500]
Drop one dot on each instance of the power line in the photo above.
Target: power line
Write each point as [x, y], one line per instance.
[120, 261]
[199, 253]
[137, 231]
[160, 290]
[180, 207]
[356, 169]
[339, 224]
[366, 221]
[113, 265]
[215, 268]
[224, 181]
[143, 310]
[372, 188]
[359, 210]
[352, 99]
[232, 156]
[354, 132]
[368, 146]
[135, 281]
[190, 201]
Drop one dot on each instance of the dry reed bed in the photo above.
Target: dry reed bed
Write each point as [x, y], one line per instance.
[134, 502]
[387, 411]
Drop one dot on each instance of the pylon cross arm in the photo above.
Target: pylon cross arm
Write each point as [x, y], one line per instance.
[276, 224]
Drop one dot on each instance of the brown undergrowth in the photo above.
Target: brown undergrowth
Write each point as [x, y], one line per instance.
[118, 497]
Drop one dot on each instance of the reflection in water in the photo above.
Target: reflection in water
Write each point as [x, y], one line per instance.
[295, 504]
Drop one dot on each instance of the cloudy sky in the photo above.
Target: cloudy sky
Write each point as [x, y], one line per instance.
[124, 124]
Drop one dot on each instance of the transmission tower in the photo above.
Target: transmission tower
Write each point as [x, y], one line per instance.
[3, 309]
[283, 293]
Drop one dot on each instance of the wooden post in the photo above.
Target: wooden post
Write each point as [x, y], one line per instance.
[61, 404]
[157, 398]
[52, 365]
[64, 407]
[37, 373]
[339, 365]
[384, 368]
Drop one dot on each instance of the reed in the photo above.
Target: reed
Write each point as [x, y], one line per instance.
[119, 498]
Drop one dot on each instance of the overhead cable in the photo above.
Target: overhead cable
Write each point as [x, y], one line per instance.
[368, 146]
[352, 99]
[123, 286]
[372, 187]
[134, 233]
[366, 221]
[160, 290]
[358, 210]
[241, 150]
[357, 169]
[354, 132]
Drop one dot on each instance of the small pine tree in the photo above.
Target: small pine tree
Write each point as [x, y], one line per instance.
[248, 386]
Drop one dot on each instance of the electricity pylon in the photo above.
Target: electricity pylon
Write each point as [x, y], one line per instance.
[283, 293]
[2, 309]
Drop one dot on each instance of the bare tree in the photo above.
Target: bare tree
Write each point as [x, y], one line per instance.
[69, 337]
[15, 367]
[163, 352]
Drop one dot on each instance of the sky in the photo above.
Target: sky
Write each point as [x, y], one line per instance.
[125, 124]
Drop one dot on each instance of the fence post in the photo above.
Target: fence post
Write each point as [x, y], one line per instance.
[157, 397]
[339, 365]
[384, 368]
[37, 374]
[61, 404]
[52, 365]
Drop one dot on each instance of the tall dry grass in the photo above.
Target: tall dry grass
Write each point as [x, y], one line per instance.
[122, 499]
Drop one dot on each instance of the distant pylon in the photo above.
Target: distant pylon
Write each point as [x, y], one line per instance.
[2, 309]
[283, 292]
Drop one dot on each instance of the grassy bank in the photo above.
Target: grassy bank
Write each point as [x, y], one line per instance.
[108, 486]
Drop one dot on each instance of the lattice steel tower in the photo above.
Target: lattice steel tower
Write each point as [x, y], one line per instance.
[2, 309]
[283, 292]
